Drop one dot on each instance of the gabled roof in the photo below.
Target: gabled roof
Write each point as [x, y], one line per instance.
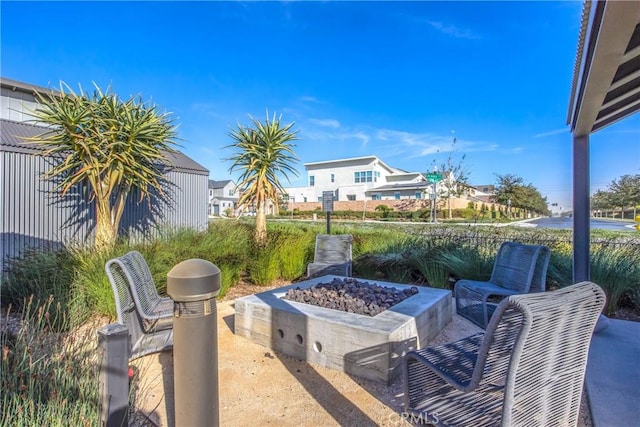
[214, 185]
[367, 159]
[351, 159]
[12, 134]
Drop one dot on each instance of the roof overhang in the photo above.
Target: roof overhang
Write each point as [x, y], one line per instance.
[606, 79]
[16, 86]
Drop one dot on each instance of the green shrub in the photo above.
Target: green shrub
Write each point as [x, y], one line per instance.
[424, 262]
[48, 379]
[37, 276]
[295, 251]
[399, 252]
[471, 263]
[617, 270]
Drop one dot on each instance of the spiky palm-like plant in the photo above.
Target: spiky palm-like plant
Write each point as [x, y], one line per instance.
[263, 152]
[113, 146]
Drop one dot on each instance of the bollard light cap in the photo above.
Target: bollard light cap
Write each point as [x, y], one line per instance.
[193, 280]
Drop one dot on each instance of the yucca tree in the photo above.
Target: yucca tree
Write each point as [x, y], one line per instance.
[110, 145]
[263, 152]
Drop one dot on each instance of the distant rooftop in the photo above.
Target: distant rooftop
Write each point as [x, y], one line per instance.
[214, 185]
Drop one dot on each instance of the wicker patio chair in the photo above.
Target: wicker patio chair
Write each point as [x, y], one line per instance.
[517, 269]
[332, 255]
[526, 369]
[148, 316]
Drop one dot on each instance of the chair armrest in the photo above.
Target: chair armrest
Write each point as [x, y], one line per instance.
[162, 310]
[454, 362]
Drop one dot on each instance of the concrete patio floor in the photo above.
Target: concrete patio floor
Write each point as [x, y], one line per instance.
[256, 383]
[613, 375]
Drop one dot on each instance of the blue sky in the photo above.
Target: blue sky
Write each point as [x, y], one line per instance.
[393, 79]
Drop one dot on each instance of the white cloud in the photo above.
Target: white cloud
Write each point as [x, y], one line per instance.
[422, 144]
[361, 136]
[394, 143]
[311, 99]
[453, 31]
[551, 133]
[330, 123]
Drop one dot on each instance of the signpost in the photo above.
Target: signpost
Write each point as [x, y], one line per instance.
[433, 178]
[327, 206]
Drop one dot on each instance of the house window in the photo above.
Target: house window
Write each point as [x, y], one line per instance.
[312, 180]
[396, 195]
[376, 196]
[351, 197]
[364, 176]
[333, 178]
[418, 195]
[230, 193]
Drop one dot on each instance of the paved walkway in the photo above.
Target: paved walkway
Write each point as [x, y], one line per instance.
[613, 375]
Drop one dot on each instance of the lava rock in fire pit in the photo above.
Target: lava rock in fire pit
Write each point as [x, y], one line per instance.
[351, 295]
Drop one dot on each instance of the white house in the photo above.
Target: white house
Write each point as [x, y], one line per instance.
[360, 178]
[223, 195]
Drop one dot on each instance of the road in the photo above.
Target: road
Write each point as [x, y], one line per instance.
[600, 223]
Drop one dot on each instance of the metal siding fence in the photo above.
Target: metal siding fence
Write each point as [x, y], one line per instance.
[33, 214]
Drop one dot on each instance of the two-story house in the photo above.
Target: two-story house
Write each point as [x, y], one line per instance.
[223, 197]
[360, 178]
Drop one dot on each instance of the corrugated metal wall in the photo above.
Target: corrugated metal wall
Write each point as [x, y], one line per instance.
[34, 214]
[185, 205]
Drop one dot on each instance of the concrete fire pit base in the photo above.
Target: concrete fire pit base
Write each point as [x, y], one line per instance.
[368, 347]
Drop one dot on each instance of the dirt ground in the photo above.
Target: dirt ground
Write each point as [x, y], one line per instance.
[259, 386]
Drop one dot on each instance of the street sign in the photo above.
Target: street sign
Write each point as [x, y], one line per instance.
[327, 201]
[434, 177]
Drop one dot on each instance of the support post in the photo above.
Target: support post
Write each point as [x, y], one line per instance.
[114, 344]
[581, 226]
[328, 222]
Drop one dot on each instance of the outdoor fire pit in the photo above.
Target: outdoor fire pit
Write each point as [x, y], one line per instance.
[359, 344]
[351, 295]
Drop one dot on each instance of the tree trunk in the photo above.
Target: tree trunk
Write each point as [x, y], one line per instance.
[261, 225]
[105, 232]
